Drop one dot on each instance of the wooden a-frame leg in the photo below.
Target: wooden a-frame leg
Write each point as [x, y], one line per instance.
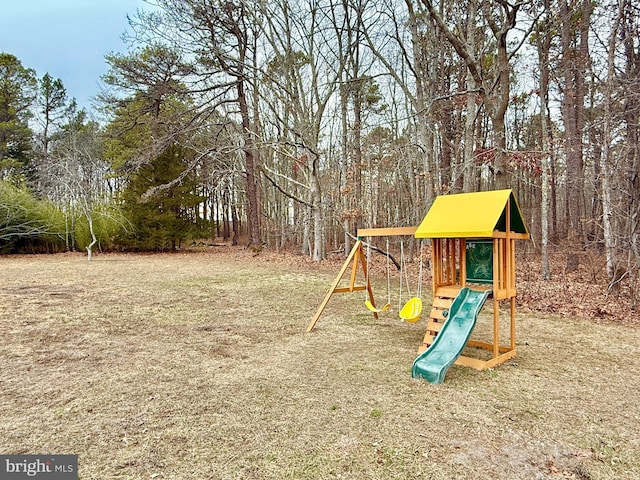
[356, 255]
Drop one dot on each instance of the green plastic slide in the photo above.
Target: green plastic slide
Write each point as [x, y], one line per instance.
[433, 363]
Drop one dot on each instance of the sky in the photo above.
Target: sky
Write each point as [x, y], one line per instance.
[67, 38]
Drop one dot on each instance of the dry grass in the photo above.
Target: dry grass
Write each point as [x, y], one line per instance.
[197, 367]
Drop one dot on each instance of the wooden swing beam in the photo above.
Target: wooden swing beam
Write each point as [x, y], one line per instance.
[356, 258]
[386, 232]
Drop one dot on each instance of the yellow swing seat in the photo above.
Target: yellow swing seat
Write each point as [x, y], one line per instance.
[411, 310]
[370, 306]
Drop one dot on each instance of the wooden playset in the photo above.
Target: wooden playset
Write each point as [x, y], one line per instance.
[473, 247]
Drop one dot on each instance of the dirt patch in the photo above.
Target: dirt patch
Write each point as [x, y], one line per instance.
[191, 366]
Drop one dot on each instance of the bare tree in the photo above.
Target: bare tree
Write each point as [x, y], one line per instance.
[304, 76]
[605, 158]
[575, 17]
[78, 172]
[405, 49]
[628, 108]
[492, 85]
[543, 45]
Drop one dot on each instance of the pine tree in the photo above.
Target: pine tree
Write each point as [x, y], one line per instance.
[165, 219]
[17, 93]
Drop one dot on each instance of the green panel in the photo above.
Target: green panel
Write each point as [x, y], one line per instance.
[517, 222]
[480, 261]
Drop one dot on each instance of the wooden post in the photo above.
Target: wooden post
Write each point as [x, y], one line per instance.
[496, 327]
[509, 265]
[357, 258]
[513, 323]
[453, 253]
[496, 302]
[463, 262]
[436, 259]
[513, 268]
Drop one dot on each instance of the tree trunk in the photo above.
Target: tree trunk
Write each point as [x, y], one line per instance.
[316, 201]
[574, 63]
[469, 138]
[606, 157]
[501, 175]
[344, 169]
[94, 240]
[544, 45]
[252, 166]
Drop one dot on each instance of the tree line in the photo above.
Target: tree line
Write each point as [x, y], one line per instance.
[293, 123]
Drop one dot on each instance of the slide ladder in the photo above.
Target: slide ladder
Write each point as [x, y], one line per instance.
[433, 363]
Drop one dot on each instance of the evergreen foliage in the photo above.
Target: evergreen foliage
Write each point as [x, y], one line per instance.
[17, 91]
[165, 219]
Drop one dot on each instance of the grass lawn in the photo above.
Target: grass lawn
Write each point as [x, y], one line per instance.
[197, 366]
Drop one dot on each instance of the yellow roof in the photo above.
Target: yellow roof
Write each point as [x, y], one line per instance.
[471, 215]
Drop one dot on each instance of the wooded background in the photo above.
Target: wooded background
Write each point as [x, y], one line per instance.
[291, 123]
